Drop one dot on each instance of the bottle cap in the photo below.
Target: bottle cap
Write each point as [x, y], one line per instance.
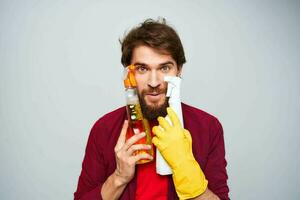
[129, 80]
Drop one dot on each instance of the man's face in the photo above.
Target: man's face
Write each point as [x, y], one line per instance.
[151, 68]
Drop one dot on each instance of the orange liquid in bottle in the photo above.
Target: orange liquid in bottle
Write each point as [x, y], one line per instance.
[137, 125]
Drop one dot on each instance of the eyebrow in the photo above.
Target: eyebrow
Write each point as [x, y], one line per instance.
[139, 63]
[165, 63]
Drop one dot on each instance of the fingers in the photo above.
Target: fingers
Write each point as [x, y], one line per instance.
[137, 147]
[122, 137]
[142, 156]
[156, 142]
[133, 140]
[157, 131]
[164, 123]
[173, 116]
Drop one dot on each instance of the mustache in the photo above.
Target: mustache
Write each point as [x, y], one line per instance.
[154, 90]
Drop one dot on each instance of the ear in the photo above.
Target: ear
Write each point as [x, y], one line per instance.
[179, 71]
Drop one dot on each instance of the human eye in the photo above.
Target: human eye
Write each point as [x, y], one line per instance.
[141, 69]
[165, 68]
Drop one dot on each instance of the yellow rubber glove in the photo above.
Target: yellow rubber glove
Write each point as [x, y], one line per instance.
[175, 144]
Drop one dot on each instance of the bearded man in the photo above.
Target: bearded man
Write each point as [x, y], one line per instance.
[196, 156]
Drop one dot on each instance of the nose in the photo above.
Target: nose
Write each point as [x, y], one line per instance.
[154, 79]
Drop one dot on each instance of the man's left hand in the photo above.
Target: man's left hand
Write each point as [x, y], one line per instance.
[175, 144]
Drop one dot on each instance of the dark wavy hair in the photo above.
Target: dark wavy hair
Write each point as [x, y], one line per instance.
[156, 34]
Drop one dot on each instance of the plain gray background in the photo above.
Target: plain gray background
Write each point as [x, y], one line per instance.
[60, 71]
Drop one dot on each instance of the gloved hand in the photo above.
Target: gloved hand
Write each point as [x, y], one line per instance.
[175, 144]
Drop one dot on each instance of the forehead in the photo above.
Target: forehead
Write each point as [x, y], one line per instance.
[150, 56]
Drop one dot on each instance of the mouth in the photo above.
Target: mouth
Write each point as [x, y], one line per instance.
[154, 97]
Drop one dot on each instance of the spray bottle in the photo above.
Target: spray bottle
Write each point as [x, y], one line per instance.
[173, 92]
[136, 122]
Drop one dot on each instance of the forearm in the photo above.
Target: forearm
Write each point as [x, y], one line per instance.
[207, 195]
[112, 187]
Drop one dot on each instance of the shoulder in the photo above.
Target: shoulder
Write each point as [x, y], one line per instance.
[201, 124]
[196, 114]
[113, 115]
[110, 120]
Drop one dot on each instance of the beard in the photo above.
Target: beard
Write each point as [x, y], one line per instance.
[151, 112]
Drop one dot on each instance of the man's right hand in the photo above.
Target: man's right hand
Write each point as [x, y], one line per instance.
[114, 185]
[125, 157]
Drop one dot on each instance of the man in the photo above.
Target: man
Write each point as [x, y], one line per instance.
[109, 169]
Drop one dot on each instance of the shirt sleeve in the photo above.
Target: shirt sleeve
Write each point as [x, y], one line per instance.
[93, 169]
[215, 169]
